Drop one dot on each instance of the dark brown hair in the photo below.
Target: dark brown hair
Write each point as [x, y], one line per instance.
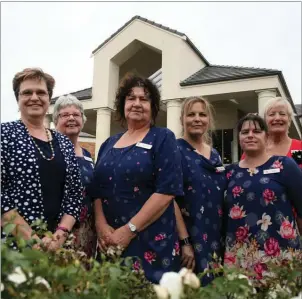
[125, 89]
[255, 119]
[33, 74]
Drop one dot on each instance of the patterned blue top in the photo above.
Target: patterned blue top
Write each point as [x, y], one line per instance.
[202, 204]
[20, 180]
[125, 178]
[261, 226]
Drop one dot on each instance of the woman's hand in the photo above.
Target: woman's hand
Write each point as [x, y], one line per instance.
[187, 257]
[122, 237]
[104, 234]
[55, 242]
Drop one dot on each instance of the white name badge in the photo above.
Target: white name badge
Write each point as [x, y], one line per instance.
[144, 145]
[88, 159]
[220, 168]
[269, 171]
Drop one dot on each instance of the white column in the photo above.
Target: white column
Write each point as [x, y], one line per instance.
[235, 153]
[263, 96]
[103, 121]
[173, 116]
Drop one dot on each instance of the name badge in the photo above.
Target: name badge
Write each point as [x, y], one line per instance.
[269, 171]
[144, 145]
[220, 169]
[88, 159]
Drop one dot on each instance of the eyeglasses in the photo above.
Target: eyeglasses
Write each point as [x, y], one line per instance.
[29, 93]
[67, 115]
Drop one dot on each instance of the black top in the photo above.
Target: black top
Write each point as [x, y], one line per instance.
[52, 178]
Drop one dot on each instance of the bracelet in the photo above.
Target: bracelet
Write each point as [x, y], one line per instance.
[185, 241]
[64, 229]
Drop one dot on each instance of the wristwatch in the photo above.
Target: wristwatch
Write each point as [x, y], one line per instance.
[132, 227]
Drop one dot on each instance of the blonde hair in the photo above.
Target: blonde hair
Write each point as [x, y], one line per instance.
[187, 105]
[277, 100]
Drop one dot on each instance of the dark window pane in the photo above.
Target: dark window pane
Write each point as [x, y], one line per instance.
[227, 146]
[217, 141]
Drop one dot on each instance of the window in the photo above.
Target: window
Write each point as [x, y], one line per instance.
[222, 142]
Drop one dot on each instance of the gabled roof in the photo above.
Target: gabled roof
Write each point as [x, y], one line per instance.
[83, 94]
[188, 41]
[218, 73]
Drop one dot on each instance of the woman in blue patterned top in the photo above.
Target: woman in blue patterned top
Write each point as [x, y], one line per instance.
[204, 185]
[137, 175]
[40, 178]
[69, 119]
[261, 190]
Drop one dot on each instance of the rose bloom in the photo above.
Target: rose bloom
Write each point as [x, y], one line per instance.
[268, 195]
[242, 233]
[237, 190]
[287, 231]
[236, 212]
[229, 258]
[259, 269]
[271, 247]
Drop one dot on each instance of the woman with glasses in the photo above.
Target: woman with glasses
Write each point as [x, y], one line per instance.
[40, 177]
[69, 119]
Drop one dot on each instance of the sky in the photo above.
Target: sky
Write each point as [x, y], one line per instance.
[60, 37]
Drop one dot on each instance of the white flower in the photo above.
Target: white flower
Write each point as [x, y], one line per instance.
[17, 276]
[172, 281]
[161, 292]
[265, 221]
[2, 287]
[189, 278]
[298, 297]
[41, 280]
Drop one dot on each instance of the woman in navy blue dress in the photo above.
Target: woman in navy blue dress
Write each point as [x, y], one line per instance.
[204, 184]
[261, 227]
[69, 119]
[137, 175]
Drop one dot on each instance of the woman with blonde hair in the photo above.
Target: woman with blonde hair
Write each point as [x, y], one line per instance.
[277, 115]
[204, 184]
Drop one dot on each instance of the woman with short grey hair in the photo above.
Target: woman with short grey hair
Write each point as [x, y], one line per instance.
[69, 119]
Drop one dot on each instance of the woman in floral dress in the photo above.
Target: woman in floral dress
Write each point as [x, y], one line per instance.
[137, 175]
[204, 185]
[261, 227]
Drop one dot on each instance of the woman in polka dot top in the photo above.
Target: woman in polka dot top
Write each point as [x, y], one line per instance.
[40, 176]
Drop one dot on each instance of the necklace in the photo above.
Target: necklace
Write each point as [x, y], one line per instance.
[50, 143]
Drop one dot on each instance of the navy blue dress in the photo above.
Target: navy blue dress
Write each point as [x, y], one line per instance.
[202, 204]
[261, 227]
[84, 229]
[125, 178]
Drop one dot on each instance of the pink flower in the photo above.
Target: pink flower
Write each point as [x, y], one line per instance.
[259, 268]
[287, 230]
[277, 164]
[137, 163]
[220, 212]
[190, 188]
[177, 248]
[160, 237]
[229, 258]
[83, 214]
[136, 266]
[242, 233]
[268, 195]
[271, 247]
[136, 189]
[237, 190]
[229, 174]
[205, 237]
[237, 212]
[110, 178]
[150, 256]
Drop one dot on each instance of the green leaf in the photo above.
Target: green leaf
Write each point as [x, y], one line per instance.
[8, 228]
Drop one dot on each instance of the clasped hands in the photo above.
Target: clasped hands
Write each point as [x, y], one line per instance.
[108, 236]
[52, 243]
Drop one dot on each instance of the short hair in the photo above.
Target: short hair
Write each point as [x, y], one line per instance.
[186, 106]
[278, 100]
[66, 101]
[33, 74]
[255, 119]
[130, 81]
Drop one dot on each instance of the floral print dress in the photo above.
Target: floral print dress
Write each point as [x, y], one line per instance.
[202, 205]
[84, 229]
[125, 178]
[261, 227]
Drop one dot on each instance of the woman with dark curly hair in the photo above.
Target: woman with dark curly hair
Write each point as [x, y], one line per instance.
[137, 175]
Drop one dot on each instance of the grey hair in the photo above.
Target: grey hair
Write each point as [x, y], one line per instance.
[278, 100]
[65, 101]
